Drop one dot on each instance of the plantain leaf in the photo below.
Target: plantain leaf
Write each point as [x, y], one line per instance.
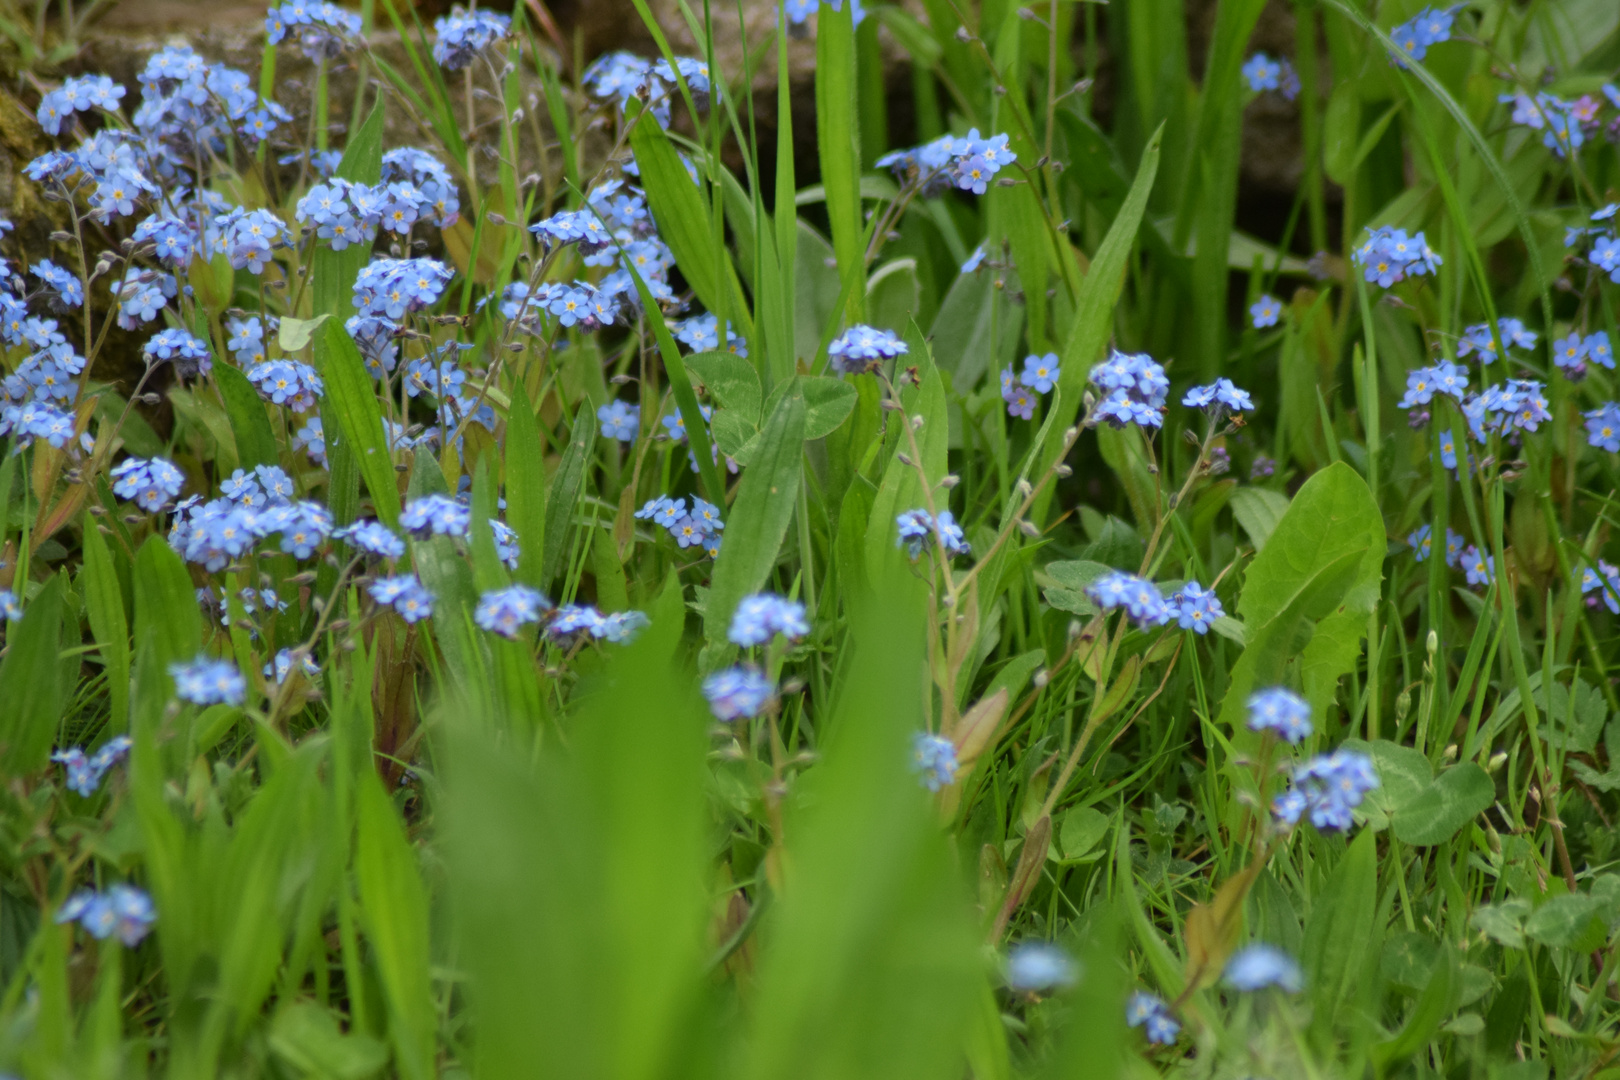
[1320, 569]
[759, 519]
[1339, 932]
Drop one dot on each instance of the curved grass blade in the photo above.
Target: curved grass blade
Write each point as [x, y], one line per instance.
[352, 394]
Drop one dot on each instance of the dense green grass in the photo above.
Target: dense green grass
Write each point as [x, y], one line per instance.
[446, 852]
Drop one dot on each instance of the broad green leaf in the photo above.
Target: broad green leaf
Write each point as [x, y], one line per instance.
[1503, 922]
[1082, 831]
[828, 403]
[563, 494]
[104, 602]
[1574, 920]
[352, 396]
[1016, 213]
[1403, 775]
[166, 615]
[1339, 930]
[816, 289]
[1454, 799]
[976, 327]
[871, 969]
[1434, 1004]
[395, 905]
[257, 876]
[1070, 578]
[578, 882]
[31, 683]
[526, 487]
[1125, 451]
[255, 439]
[1341, 128]
[306, 1036]
[893, 296]
[1322, 564]
[759, 518]
[732, 382]
[735, 435]
[1258, 510]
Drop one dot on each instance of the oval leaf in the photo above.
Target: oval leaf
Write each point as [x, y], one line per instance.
[1448, 804]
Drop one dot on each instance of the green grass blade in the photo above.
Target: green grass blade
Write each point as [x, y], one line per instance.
[352, 394]
[104, 603]
[394, 905]
[838, 142]
[1099, 294]
[563, 494]
[255, 439]
[166, 616]
[526, 487]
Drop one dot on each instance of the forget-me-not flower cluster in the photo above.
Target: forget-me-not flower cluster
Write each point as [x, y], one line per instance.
[122, 911]
[84, 771]
[1327, 788]
[697, 527]
[918, 532]
[1135, 387]
[965, 162]
[1387, 255]
[863, 348]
